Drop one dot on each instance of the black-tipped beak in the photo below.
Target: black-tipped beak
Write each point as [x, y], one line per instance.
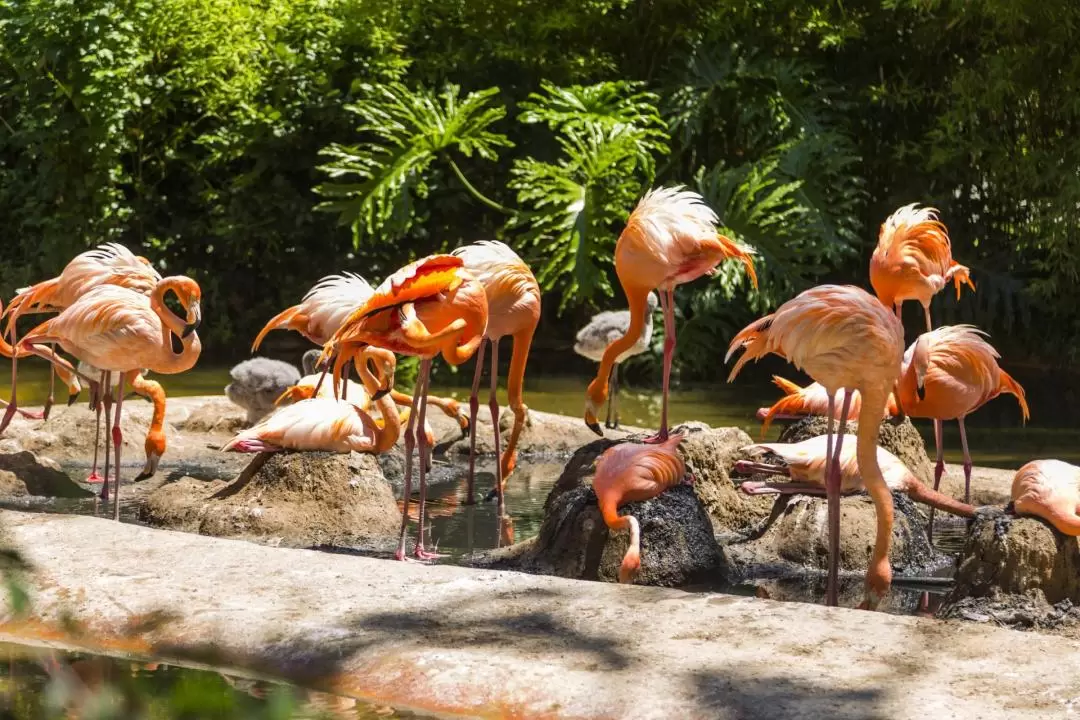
[921, 392]
[195, 313]
[380, 393]
[595, 427]
[73, 397]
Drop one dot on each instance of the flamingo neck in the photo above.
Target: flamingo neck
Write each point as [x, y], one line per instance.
[879, 573]
[638, 300]
[927, 496]
[388, 434]
[171, 324]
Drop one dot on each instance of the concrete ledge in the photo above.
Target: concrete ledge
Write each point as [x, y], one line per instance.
[505, 645]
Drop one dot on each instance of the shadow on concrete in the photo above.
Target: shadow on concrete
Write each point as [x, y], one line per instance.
[740, 695]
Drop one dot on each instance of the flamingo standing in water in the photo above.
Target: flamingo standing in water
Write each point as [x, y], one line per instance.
[629, 472]
[950, 373]
[108, 264]
[602, 330]
[669, 239]
[913, 260]
[805, 464]
[845, 339]
[1049, 489]
[513, 298]
[322, 311]
[431, 306]
[120, 330]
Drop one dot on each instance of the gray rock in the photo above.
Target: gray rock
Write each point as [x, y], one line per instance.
[40, 475]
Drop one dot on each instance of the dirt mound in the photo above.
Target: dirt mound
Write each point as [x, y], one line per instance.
[1006, 555]
[1020, 612]
[294, 499]
[903, 441]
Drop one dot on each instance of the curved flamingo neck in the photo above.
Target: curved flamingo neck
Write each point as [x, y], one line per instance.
[388, 434]
[638, 300]
[172, 324]
[879, 573]
[919, 492]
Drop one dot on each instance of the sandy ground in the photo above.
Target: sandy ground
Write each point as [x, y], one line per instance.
[502, 644]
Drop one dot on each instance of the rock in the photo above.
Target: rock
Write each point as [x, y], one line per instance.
[798, 539]
[40, 475]
[543, 434]
[1009, 556]
[677, 541]
[1021, 612]
[216, 415]
[11, 485]
[295, 499]
[903, 441]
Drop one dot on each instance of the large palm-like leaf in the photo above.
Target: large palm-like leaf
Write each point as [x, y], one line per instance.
[409, 130]
[602, 105]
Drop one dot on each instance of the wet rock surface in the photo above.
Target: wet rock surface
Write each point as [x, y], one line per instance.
[25, 473]
[1019, 612]
[677, 540]
[294, 499]
[1009, 556]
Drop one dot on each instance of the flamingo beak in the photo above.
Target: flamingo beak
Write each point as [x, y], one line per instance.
[195, 319]
[920, 390]
[380, 393]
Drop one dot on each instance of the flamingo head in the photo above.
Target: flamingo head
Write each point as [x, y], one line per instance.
[190, 296]
[631, 565]
[155, 448]
[920, 360]
[595, 397]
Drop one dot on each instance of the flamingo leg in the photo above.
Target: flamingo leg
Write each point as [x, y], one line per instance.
[832, 488]
[52, 387]
[410, 442]
[612, 392]
[97, 402]
[425, 460]
[939, 469]
[749, 467]
[107, 400]
[13, 404]
[117, 438]
[967, 461]
[667, 301]
[792, 488]
[926, 312]
[493, 404]
[474, 405]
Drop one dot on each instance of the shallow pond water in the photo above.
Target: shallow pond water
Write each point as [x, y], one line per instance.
[37, 682]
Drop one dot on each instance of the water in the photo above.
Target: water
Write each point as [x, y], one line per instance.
[38, 682]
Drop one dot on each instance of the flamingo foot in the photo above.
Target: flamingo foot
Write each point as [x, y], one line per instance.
[658, 438]
[31, 414]
[8, 414]
[94, 478]
[421, 554]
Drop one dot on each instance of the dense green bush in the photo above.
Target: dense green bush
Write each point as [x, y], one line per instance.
[199, 130]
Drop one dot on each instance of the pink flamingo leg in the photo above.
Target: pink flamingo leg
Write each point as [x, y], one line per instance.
[939, 469]
[832, 488]
[749, 467]
[118, 438]
[107, 400]
[425, 458]
[493, 405]
[52, 386]
[474, 405]
[410, 442]
[760, 488]
[967, 461]
[13, 404]
[667, 302]
[97, 401]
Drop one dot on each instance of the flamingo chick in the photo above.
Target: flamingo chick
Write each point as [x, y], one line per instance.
[432, 306]
[1049, 489]
[669, 239]
[629, 472]
[805, 463]
[513, 298]
[948, 374]
[257, 383]
[604, 329]
[913, 259]
[845, 339]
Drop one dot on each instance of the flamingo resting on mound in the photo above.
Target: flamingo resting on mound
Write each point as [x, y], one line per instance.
[1049, 489]
[805, 464]
[432, 306]
[605, 328]
[108, 264]
[513, 298]
[913, 260]
[845, 339]
[120, 330]
[669, 239]
[629, 472]
[322, 311]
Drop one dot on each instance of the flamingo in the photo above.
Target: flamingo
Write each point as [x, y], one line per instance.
[513, 298]
[431, 306]
[669, 239]
[7, 351]
[805, 463]
[604, 329]
[629, 472]
[913, 259]
[1049, 489]
[121, 330]
[322, 311]
[154, 445]
[107, 264]
[950, 373]
[800, 401]
[845, 339]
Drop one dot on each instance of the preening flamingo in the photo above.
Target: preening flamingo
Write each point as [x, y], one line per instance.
[120, 330]
[602, 330]
[629, 472]
[805, 464]
[1049, 489]
[108, 264]
[801, 401]
[513, 298]
[845, 339]
[431, 306]
[322, 311]
[913, 259]
[669, 239]
[948, 374]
